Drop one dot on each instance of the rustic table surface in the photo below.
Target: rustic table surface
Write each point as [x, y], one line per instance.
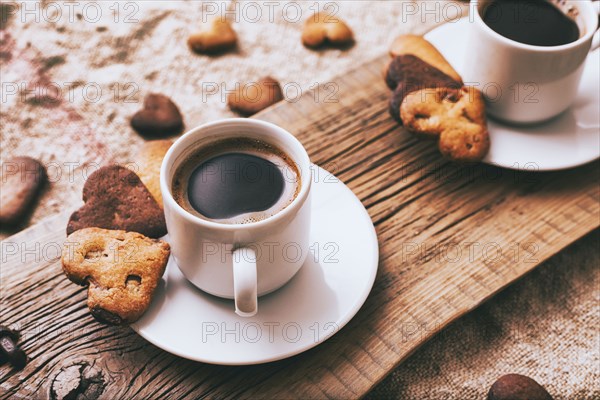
[450, 236]
[487, 226]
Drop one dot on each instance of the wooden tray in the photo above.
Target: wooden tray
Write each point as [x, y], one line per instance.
[450, 237]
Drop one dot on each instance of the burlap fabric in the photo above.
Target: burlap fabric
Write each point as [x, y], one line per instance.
[544, 326]
[73, 73]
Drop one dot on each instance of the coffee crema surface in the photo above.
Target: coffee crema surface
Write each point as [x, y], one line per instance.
[236, 181]
[533, 22]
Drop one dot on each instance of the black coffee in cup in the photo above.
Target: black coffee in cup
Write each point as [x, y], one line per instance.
[534, 22]
[236, 181]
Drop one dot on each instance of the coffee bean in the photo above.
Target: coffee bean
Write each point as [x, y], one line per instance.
[9, 350]
[517, 387]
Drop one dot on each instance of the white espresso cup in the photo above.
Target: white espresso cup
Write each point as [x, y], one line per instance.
[238, 261]
[523, 83]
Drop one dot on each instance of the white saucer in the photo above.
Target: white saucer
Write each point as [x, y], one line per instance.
[326, 293]
[570, 140]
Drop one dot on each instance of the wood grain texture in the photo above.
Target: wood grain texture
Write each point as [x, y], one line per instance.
[450, 237]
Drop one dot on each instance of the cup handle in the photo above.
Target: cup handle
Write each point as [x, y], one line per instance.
[244, 282]
[596, 40]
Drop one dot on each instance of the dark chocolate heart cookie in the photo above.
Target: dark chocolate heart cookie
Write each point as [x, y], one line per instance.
[21, 180]
[407, 74]
[159, 117]
[116, 198]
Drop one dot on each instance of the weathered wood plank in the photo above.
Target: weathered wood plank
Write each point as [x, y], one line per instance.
[450, 237]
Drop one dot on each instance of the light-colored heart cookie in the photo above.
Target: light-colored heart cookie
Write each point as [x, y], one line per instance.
[216, 36]
[321, 29]
[253, 97]
[423, 49]
[148, 162]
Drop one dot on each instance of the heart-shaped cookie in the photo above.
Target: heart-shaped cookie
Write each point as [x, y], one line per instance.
[324, 29]
[408, 73]
[253, 97]
[121, 269]
[216, 36]
[21, 180]
[159, 117]
[116, 198]
[421, 48]
[149, 159]
[456, 116]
